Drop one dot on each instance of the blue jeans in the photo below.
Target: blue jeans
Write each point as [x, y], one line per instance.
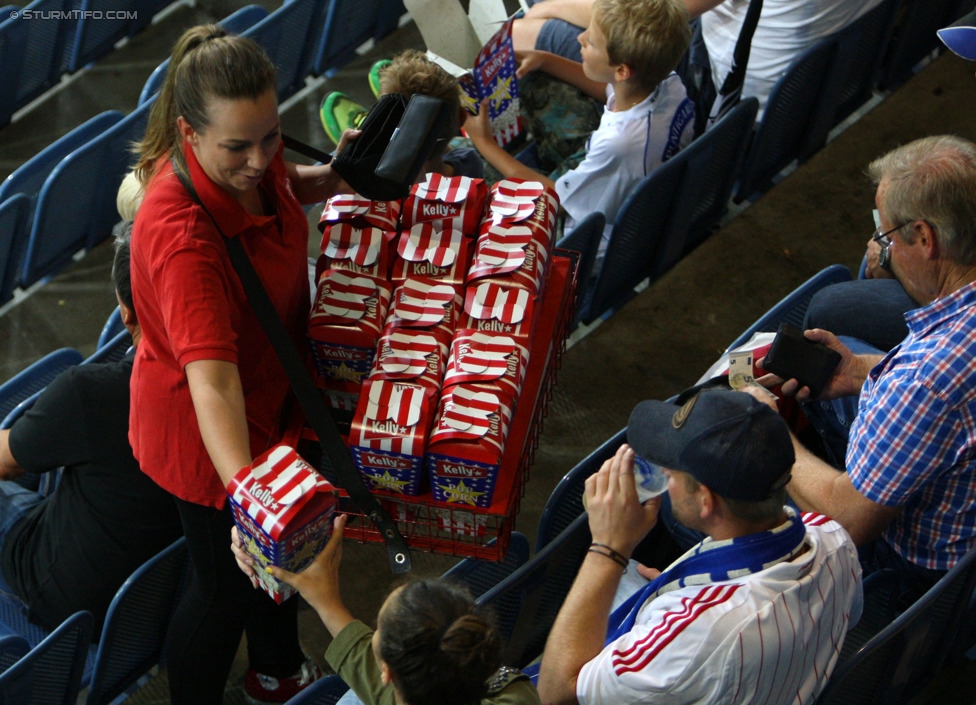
[15, 503]
[872, 310]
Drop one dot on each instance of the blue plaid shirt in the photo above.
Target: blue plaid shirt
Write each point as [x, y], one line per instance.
[913, 443]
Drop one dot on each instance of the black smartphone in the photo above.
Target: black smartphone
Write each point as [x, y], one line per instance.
[792, 356]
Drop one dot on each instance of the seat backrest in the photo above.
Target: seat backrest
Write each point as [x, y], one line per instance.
[565, 502]
[527, 602]
[324, 691]
[585, 240]
[12, 648]
[31, 54]
[792, 308]
[113, 350]
[346, 25]
[102, 23]
[34, 378]
[284, 34]
[897, 662]
[136, 623]
[479, 576]
[113, 326]
[637, 233]
[712, 166]
[83, 185]
[236, 23]
[15, 215]
[785, 131]
[50, 674]
[914, 37]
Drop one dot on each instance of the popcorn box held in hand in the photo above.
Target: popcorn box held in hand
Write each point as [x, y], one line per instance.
[283, 510]
[389, 434]
[361, 250]
[360, 212]
[427, 304]
[480, 357]
[410, 355]
[428, 253]
[456, 202]
[345, 323]
[499, 307]
[467, 444]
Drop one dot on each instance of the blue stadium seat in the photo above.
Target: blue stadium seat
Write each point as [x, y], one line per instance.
[15, 213]
[34, 378]
[12, 648]
[113, 326]
[76, 206]
[584, 240]
[32, 55]
[345, 25]
[914, 36]
[786, 129]
[236, 23]
[50, 674]
[480, 575]
[103, 23]
[793, 306]
[111, 350]
[324, 691]
[285, 35]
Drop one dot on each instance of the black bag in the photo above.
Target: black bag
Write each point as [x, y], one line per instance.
[397, 137]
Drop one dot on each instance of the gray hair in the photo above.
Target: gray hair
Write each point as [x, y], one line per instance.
[933, 179]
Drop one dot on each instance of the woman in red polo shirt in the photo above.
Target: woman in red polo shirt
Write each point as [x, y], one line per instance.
[208, 392]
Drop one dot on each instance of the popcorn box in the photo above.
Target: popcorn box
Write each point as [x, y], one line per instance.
[429, 305]
[528, 203]
[283, 510]
[467, 444]
[345, 323]
[487, 357]
[361, 250]
[389, 434]
[429, 253]
[410, 355]
[447, 203]
[360, 212]
[499, 307]
[512, 253]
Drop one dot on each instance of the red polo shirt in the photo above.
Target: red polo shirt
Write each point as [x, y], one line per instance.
[191, 306]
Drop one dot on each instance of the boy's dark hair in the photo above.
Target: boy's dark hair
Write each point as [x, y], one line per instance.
[120, 264]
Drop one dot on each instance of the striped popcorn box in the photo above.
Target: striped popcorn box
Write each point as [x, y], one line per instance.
[361, 212]
[429, 253]
[389, 434]
[512, 253]
[410, 355]
[429, 305]
[446, 203]
[283, 510]
[345, 323]
[362, 250]
[492, 358]
[499, 307]
[467, 444]
[527, 203]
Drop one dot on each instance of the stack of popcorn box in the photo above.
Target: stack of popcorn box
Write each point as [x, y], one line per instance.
[283, 510]
[463, 274]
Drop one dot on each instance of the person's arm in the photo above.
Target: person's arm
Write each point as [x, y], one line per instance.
[564, 69]
[617, 519]
[315, 184]
[575, 12]
[9, 467]
[479, 131]
[218, 400]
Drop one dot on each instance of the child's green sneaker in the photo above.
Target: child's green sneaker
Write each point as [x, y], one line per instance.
[339, 112]
[374, 75]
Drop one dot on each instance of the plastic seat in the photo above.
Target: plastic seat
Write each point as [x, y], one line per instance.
[786, 130]
[324, 691]
[113, 326]
[135, 626]
[285, 35]
[914, 37]
[793, 307]
[103, 23]
[32, 55]
[527, 602]
[235, 23]
[15, 214]
[585, 240]
[895, 664]
[50, 673]
[565, 502]
[112, 350]
[346, 25]
[479, 576]
[12, 646]
[84, 184]
[34, 378]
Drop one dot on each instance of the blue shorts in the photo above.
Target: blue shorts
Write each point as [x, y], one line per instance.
[560, 37]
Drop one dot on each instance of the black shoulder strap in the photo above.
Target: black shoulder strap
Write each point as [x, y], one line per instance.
[334, 451]
[306, 149]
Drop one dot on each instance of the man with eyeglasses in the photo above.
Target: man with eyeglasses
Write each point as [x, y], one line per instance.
[908, 496]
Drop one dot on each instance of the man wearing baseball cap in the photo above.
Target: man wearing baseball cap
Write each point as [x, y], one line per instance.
[754, 613]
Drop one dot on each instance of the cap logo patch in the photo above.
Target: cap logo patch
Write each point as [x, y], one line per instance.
[682, 414]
